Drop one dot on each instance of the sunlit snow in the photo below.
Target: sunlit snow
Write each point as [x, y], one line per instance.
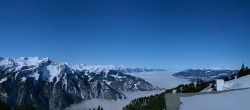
[4, 79]
[53, 71]
[95, 68]
[242, 82]
[235, 100]
[35, 75]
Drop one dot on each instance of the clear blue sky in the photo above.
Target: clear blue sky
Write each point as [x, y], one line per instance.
[167, 34]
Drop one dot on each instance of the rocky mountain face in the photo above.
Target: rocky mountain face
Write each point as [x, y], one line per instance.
[204, 74]
[39, 82]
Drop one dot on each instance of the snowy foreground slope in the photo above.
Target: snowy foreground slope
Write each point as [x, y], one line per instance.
[234, 100]
[242, 82]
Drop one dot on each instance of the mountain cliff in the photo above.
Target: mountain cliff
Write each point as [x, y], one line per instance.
[39, 82]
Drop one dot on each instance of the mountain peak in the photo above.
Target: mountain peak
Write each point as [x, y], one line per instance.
[94, 68]
[19, 63]
[31, 61]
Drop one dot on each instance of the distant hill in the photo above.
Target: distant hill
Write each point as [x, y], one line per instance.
[204, 74]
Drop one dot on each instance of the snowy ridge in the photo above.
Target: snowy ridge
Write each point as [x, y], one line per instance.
[18, 64]
[107, 68]
[95, 69]
[30, 61]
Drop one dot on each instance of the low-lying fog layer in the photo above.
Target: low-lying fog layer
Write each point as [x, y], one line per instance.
[109, 104]
[163, 79]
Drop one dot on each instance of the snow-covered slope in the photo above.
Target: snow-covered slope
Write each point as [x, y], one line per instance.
[234, 100]
[242, 82]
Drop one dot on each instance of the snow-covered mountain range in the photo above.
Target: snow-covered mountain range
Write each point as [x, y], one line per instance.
[105, 68]
[42, 83]
[205, 74]
[36, 61]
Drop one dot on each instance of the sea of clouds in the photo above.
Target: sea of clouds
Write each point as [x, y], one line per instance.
[162, 79]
